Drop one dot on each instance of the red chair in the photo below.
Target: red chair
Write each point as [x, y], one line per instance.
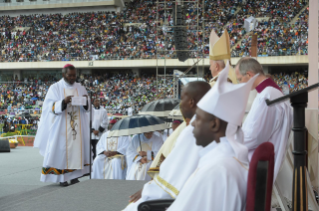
[260, 178]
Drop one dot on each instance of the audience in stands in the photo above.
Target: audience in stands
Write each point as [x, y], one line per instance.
[131, 33]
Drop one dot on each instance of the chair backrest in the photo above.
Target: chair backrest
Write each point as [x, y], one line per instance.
[260, 178]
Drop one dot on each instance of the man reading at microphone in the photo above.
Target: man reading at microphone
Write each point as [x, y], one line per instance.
[63, 136]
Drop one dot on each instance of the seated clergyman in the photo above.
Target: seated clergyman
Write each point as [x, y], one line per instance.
[110, 162]
[141, 153]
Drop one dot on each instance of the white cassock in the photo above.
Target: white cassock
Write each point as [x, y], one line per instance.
[218, 184]
[173, 171]
[268, 123]
[63, 136]
[100, 121]
[110, 167]
[136, 170]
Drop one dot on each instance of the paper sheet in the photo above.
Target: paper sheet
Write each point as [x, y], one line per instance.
[78, 101]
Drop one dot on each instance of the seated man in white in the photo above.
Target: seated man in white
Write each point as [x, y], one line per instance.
[110, 162]
[141, 153]
[220, 181]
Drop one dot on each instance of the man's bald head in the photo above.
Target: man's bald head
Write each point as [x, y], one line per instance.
[191, 95]
[197, 89]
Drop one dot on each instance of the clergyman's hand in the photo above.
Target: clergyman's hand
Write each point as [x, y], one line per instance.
[96, 132]
[67, 100]
[144, 160]
[136, 196]
[107, 153]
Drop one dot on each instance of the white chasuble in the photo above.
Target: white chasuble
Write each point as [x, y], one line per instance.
[110, 167]
[73, 134]
[137, 170]
[63, 136]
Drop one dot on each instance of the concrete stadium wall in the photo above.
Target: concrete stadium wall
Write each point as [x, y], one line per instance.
[63, 11]
[147, 63]
[63, 7]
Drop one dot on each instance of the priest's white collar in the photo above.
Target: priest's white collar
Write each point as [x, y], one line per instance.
[211, 146]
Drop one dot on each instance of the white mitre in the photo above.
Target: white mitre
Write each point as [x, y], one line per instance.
[228, 101]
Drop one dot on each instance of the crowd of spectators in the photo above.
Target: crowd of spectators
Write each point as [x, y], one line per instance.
[134, 33]
[277, 33]
[293, 81]
[117, 92]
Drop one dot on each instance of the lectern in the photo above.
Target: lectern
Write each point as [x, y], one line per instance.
[299, 102]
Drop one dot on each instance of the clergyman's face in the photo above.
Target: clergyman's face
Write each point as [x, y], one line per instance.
[201, 128]
[148, 135]
[213, 68]
[70, 76]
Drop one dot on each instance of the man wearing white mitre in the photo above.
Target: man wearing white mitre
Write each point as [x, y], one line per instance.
[110, 162]
[140, 154]
[220, 180]
[63, 136]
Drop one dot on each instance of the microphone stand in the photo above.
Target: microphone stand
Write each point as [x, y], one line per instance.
[298, 102]
[90, 91]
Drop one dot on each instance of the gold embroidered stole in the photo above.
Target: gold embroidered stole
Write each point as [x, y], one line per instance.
[73, 133]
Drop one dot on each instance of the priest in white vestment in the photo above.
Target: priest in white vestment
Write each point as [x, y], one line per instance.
[110, 162]
[265, 123]
[63, 136]
[183, 159]
[220, 181]
[99, 123]
[140, 154]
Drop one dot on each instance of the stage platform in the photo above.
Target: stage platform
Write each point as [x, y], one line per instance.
[21, 189]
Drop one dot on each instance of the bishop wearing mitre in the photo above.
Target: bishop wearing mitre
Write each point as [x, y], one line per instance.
[63, 136]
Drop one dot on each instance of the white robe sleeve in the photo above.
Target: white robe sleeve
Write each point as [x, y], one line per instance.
[214, 190]
[101, 145]
[260, 124]
[156, 146]
[105, 120]
[124, 143]
[132, 155]
[47, 118]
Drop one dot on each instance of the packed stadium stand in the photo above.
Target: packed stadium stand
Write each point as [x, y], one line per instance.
[130, 34]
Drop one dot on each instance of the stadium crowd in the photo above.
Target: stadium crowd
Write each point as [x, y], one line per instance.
[131, 34]
[117, 92]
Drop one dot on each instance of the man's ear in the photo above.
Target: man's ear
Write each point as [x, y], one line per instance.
[250, 74]
[214, 125]
[63, 74]
[192, 103]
